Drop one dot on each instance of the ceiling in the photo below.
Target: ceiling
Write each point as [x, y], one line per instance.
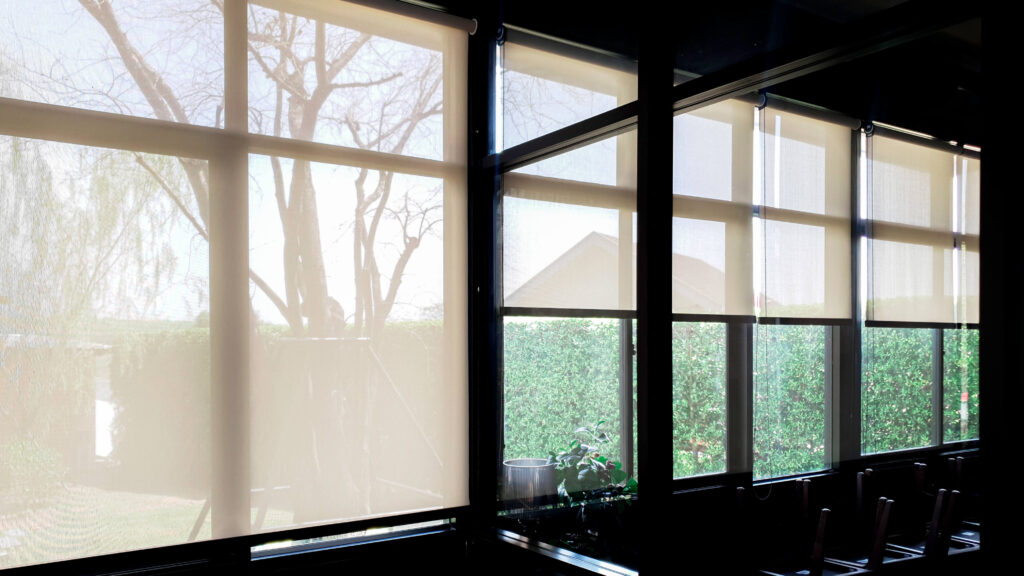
[930, 85]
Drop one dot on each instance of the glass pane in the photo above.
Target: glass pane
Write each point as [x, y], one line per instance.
[971, 173]
[105, 350]
[358, 390]
[806, 164]
[560, 374]
[565, 476]
[713, 152]
[806, 270]
[152, 58]
[376, 82]
[542, 91]
[789, 400]
[896, 389]
[960, 384]
[698, 267]
[698, 398]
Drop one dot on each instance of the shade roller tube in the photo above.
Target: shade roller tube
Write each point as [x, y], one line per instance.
[923, 233]
[804, 208]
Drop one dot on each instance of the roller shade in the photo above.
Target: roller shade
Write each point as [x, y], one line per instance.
[568, 229]
[805, 217]
[923, 233]
[712, 209]
[543, 90]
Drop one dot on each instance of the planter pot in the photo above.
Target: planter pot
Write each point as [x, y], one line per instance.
[529, 482]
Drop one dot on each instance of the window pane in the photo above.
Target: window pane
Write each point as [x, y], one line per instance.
[358, 391]
[560, 374]
[960, 384]
[562, 396]
[910, 184]
[910, 281]
[543, 91]
[153, 58]
[789, 400]
[698, 398]
[378, 83]
[896, 389]
[105, 351]
[971, 174]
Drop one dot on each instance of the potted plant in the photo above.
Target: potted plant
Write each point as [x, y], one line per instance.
[582, 473]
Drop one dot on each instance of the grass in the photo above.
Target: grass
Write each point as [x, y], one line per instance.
[81, 521]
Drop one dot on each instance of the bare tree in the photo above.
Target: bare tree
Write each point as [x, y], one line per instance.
[317, 83]
[305, 77]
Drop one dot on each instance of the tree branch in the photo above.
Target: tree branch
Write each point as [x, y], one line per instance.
[260, 283]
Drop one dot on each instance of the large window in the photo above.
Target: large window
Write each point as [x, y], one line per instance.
[920, 347]
[236, 301]
[761, 243]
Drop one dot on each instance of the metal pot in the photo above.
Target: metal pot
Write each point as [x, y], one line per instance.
[530, 481]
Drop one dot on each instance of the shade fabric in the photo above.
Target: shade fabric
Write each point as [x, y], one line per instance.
[543, 91]
[175, 372]
[568, 241]
[805, 213]
[712, 209]
[923, 233]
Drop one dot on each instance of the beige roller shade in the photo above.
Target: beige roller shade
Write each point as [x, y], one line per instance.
[911, 196]
[969, 174]
[712, 210]
[542, 91]
[195, 375]
[805, 217]
[568, 229]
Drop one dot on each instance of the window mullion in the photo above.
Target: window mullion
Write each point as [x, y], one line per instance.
[846, 405]
[229, 336]
[739, 397]
[229, 294]
[937, 373]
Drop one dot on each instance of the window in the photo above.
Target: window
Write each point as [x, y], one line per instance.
[568, 269]
[568, 238]
[762, 244]
[921, 277]
[231, 306]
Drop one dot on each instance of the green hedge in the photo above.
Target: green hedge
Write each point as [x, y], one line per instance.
[560, 374]
[563, 373]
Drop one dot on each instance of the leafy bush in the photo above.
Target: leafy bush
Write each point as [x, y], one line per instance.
[960, 367]
[896, 389]
[698, 398]
[789, 402]
[560, 374]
